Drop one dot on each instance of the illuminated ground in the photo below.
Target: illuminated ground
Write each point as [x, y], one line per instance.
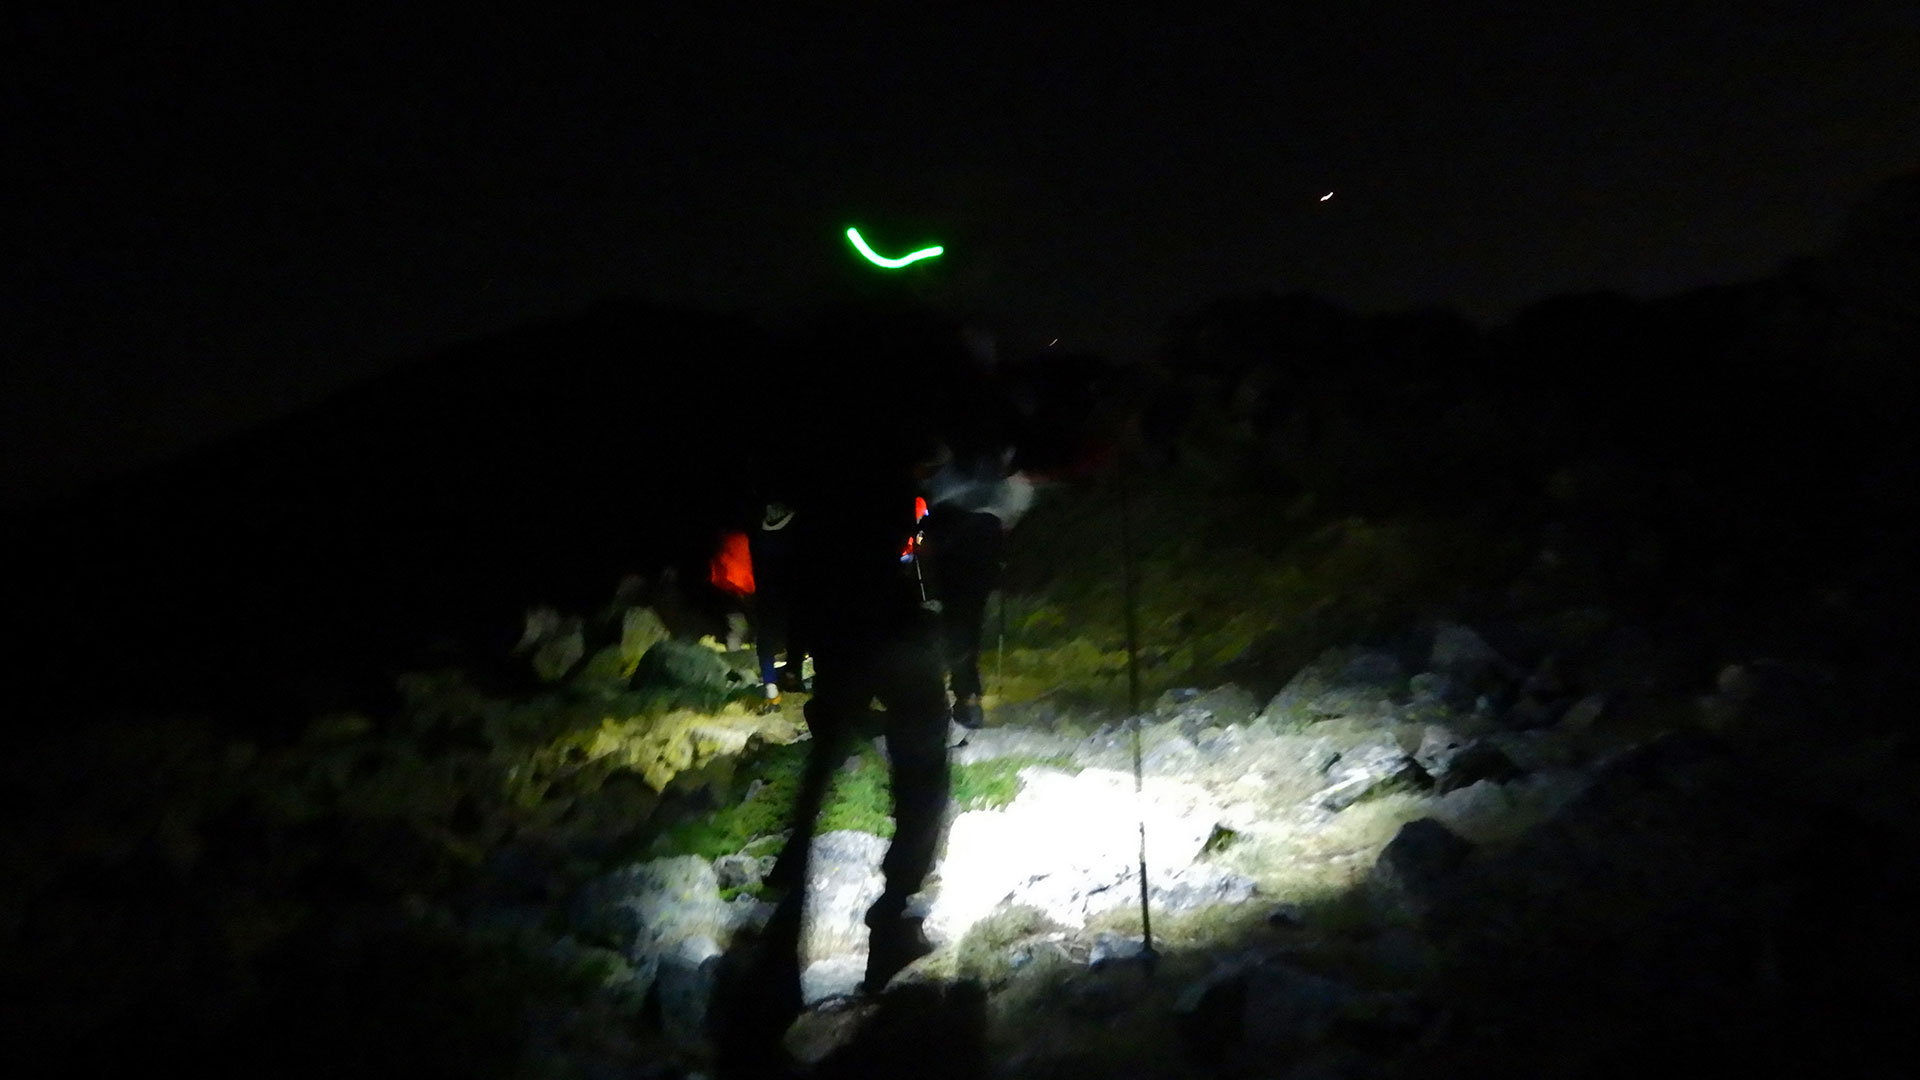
[1665, 837]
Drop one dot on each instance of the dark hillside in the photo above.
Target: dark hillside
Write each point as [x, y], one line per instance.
[428, 507]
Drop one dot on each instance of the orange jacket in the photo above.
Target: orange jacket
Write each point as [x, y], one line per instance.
[913, 542]
[731, 569]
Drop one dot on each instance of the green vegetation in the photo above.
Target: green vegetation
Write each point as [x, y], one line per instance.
[1229, 587]
[984, 952]
[767, 780]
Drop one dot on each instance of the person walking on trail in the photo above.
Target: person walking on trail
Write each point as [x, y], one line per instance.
[886, 390]
[974, 505]
[770, 544]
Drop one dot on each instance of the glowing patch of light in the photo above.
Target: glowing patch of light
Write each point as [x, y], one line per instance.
[1327, 196]
[860, 244]
[1068, 845]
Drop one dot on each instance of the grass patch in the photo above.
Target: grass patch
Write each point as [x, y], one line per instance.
[992, 784]
[984, 953]
[860, 798]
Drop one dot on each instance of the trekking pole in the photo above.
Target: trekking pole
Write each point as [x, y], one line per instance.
[1130, 600]
[1000, 650]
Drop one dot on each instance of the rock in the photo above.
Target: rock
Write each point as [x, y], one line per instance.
[1476, 811]
[1220, 744]
[650, 910]
[1167, 751]
[1432, 695]
[620, 986]
[1369, 771]
[1439, 745]
[1199, 886]
[1366, 667]
[1111, 948]
[1414, 863]
[1069, 846]
[1210, 1012]
[741, 871]
[1461, 653]
[834, 977]
[1340, 682]
[1583, 713]
[843, 880]
[640, 630]
[558, 654]
[672, 664]
[684, 989]
[542, 624]
[1170, 702]
[1663, 885]
[989, 743]
[1765, 695]
[1286, 1008]
[1454, 765]
[819, 1033]
[1220, 707]
[747, 913]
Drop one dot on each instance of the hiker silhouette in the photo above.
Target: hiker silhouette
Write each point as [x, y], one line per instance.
[881, 394]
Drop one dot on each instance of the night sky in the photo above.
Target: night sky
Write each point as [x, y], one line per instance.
[226, 217]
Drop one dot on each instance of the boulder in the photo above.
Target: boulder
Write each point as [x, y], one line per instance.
[1361, 683]
[1069, 846]
[1194, 712]
[1198, 886]
[684, 987]
[687, 669]
[1455, 761]
[1286, 1007]
[1460, 653]
[556, 655]
[830, 979]
[843, 880]
[1433, 695]
[1368, 771]
[738, 872]
[1583, 714]
[1166, 750]
[1210, 1012]
[651, 910]
[1415, 862]
[1109, 948]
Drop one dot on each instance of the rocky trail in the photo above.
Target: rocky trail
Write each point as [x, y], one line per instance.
[1375, 872]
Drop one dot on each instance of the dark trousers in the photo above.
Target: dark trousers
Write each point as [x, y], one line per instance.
[848, 675]
[772, 555]
[963, 556]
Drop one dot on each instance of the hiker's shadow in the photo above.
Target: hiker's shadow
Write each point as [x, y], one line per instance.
[917, 1028]
[926, 1030]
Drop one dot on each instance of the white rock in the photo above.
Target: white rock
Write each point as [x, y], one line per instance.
[1068, 845]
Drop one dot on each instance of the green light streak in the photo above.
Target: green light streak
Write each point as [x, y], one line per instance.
[877, 259]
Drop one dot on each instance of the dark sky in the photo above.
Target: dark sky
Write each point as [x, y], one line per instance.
[226, 216]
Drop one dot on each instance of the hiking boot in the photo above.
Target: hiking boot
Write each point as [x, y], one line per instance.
[968, 714]
[893, 944]
[770, 700]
